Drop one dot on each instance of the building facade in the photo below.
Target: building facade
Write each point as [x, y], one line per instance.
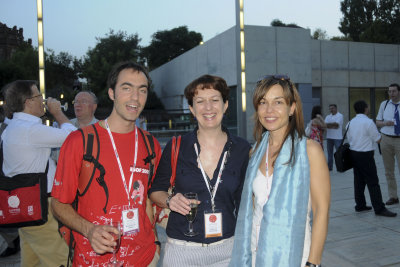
[10, 40]
[324, 72]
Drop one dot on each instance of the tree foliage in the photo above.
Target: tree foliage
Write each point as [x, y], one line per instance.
[375, 21]
[109, 50]
[167, 45]
[320, 34]
[23, 65]
[279, 23]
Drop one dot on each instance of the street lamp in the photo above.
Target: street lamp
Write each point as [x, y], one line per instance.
[241, 69]
[39, 5]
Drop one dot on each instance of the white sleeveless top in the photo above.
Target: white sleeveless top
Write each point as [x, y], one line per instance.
[261, 190]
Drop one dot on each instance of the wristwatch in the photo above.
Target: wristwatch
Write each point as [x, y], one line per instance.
[312, 264]
[168, 200]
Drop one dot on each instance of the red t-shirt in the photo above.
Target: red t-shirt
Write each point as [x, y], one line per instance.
[136, 249]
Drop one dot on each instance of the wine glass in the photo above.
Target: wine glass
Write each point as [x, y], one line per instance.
[192, 213]
[63, 107]
[117, 238]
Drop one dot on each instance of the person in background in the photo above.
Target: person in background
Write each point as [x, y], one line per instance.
[27, 144]
[362, 135]
[316, 126]
[389, 122]
[141, 122]
[211, 163]
[123, 155]
[334, 122]
[287, 183]
[85, 105]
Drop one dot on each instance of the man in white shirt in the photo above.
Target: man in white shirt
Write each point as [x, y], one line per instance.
[362, 136]
[27, 145]
[334, 122]
[390, 145]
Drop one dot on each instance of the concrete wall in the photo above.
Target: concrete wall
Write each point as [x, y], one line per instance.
[334, 66]
[278, 50]
[338, 66]
[216, 57]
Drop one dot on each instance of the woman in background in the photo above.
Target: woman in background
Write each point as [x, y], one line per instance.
[316, 126]
[287, 179]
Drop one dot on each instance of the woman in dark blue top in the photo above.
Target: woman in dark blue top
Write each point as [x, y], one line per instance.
[211, 163]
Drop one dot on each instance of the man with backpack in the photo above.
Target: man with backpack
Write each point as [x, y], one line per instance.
[115, 189]
[27, 144]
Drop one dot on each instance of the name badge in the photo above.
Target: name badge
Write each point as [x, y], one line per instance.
[130, 221]
[212, 224]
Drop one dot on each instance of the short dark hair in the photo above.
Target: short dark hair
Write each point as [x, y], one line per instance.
[315, 111]
[395, 85]
[360, 106]
[207, 82]
[117, 68]
[333, 105]
[15, 94]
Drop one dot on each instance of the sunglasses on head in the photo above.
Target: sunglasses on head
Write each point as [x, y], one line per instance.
[276, 77]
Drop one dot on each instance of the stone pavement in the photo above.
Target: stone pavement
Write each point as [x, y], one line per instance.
[354, 239]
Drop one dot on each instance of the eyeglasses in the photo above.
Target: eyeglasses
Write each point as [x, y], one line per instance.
[81, 102]
[281, 77]
[32, 97]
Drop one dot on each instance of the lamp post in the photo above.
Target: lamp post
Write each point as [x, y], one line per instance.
[241, 70]
[39, 5]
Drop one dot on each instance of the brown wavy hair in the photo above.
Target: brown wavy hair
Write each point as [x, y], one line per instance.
[291, 95]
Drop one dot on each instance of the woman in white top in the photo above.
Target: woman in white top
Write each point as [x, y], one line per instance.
[287, 184]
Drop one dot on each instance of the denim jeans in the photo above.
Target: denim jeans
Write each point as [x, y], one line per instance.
[329, 144]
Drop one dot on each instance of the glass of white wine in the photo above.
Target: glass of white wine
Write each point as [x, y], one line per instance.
[192, 213]
[63, 107]
[117, 238]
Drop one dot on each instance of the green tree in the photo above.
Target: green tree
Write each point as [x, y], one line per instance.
[23, 64]
[167, 45]
[279, 23]
[109, 50]
[371, 20]
[60, 75]
[320, 34]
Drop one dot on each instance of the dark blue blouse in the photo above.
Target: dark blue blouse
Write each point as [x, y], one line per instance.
[190, 179]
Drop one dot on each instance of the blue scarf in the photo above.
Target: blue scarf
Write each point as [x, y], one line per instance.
[282, 230]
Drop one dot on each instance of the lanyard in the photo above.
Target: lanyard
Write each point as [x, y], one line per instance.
[212, 191]
[119, 162]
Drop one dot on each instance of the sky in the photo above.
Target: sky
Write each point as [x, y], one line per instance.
[73, 25]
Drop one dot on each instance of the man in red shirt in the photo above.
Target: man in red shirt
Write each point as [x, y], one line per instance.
[122, 153]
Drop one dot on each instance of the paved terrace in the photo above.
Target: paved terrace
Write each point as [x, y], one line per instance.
[354, 239]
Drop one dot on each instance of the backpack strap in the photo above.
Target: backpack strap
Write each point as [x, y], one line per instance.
[90, 163]
[176, 143]
[387, 101]
[151, 155]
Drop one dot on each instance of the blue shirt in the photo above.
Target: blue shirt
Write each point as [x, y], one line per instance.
[190, 179]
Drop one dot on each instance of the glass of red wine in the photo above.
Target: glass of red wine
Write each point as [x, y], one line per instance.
[117, 238]
[192, 213]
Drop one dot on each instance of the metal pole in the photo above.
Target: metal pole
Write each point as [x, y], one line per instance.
[241, 70]
[39, 4]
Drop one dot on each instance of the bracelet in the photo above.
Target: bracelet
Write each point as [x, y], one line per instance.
[312, 264]
[158, 243]
[168, 200]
